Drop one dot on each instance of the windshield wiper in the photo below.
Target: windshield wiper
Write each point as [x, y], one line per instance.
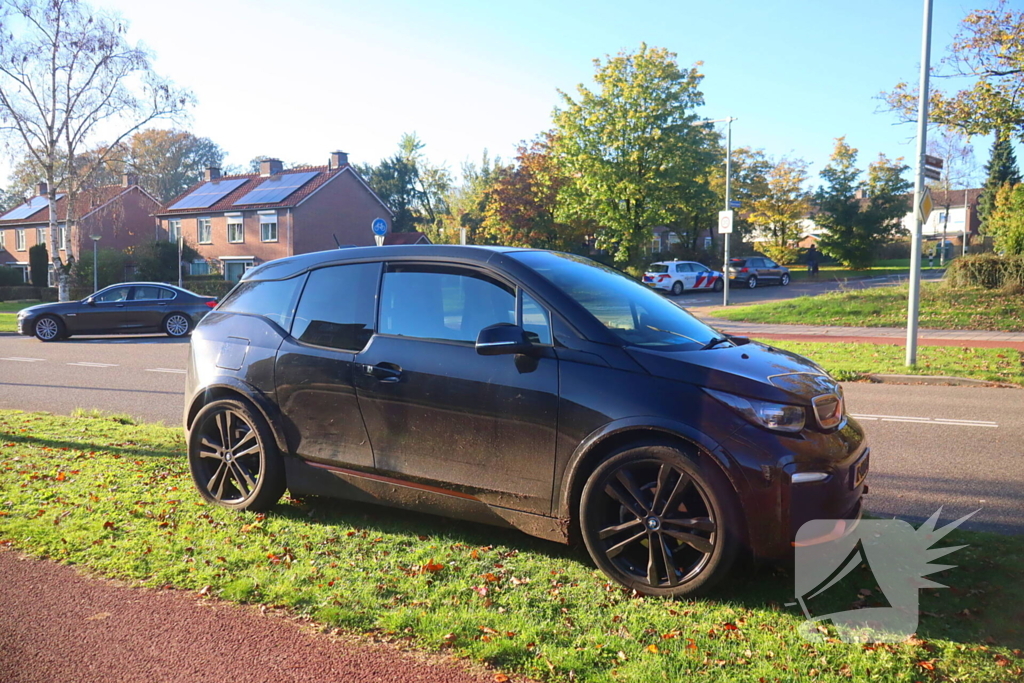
[714, 342]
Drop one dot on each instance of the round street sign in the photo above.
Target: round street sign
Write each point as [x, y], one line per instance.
[379, 227]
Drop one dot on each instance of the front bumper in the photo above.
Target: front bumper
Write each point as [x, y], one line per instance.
[25, 326]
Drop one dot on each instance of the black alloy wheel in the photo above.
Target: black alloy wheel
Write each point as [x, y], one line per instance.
[653, 520]
[233, 458]
[48, 328]
[752, 282]
[177, 325]
[785, 279]
[677, 288]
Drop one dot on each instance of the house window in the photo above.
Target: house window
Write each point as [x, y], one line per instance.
[204, 231]
[3, 240]
[199, 267]
[235, 269]
[268, 228]
[62, 235]
[19, 239]
[173, 231]
[236, 230]
[40, 235]
[707, 243]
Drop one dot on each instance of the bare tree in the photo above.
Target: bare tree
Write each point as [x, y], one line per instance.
[959, 170]
[68, 76]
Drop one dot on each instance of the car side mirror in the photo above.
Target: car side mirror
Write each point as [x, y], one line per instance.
[501, 339]
[90, 301]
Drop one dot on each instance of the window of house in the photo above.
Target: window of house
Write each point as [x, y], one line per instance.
[268, 228]
[236, 230]
[707, 243]
[173, 231]
[204, 231]
[62, 236]
[199, 267]
[3, 240]
[19, 239]
[40, 235]
[340, 322]
[440, 302]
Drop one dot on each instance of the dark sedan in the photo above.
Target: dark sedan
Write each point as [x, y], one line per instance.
[517, 387]
[126, 308]
[757, 269]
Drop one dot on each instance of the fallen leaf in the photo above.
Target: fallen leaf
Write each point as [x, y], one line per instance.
[432, 566]
[97, 617]
[652, 648]
[500, 678]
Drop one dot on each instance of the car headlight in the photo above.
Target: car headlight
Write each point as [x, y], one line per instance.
[776, 416]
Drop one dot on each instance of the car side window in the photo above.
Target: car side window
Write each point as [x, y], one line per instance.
[441, 302]
[272, 299]
[145, 293]
[337, 306]
[116, 294]
[700, 268]
[768, 263]
[167, 293]
[535, 320]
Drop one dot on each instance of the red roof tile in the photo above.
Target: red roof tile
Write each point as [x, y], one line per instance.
[86, 201]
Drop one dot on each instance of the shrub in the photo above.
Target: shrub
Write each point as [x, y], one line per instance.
[11, 277]
[110, 264]
[26, 292]
[158, 261]
[38, 265]
[986, 270]
[208, 287]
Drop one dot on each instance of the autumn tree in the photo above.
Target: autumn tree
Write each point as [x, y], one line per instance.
[988, 51]
[629, 149]
[67, 75]
[466, 203]
[778, 211]
[168, 162]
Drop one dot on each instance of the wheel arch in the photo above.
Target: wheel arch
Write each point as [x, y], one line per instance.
[227, 387]
[609, 438]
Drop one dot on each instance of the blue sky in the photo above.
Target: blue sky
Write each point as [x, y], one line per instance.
[299, 78]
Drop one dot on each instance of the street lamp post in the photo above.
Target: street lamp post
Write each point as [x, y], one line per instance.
[95, 270]
[180, 249]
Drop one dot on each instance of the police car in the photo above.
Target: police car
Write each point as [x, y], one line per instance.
[680, 276]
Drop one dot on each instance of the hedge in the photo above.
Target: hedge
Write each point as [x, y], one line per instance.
[27, 292]
[217, 287]
[990, 271]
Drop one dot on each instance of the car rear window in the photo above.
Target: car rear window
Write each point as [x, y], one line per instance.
[272, 299]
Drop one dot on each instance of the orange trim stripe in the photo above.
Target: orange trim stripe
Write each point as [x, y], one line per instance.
[389, 480]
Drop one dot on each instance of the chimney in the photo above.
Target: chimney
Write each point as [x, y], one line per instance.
[338, 159]
[41, 189]
[270, 167]
[129, 179]
[211, 173]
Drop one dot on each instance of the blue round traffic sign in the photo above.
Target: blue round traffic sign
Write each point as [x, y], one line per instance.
[379, 226]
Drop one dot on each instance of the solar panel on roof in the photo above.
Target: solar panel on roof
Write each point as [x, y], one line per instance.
[208, 194]
[277, 189]
[26, 209]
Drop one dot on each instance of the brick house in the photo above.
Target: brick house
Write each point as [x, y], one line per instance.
[238, 221]
[121, 215]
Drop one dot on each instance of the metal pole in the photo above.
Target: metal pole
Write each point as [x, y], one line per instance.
[95, 271]
[728, 197]
[967, 223]
[180, 247]
[914, 302]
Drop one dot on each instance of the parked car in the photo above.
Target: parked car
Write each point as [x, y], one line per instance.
[518, 387]
[127, 308]
[757, 269]
[679, 276]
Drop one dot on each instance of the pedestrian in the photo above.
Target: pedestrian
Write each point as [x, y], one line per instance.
[812, 261]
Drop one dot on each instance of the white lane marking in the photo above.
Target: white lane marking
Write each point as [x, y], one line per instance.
[928, 420]
[24, 360]
[174, 370]
[95, 365]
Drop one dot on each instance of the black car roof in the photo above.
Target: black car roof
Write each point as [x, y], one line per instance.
[280, 269]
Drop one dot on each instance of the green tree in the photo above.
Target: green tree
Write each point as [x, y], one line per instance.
[158, 261]
[629, 150]
[1006, 221]
[838, 207]
[889, 200]
[110, 268]
[466, 203]
[778, 212]
[1000, 170]
[987, 51]
[38, 262]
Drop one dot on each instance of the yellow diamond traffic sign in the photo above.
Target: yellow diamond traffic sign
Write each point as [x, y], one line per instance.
[924, 207]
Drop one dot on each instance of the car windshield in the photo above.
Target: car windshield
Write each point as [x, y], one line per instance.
[634, 313]
[658, 268]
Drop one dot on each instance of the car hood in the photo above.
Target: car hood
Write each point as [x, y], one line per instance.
[55, 307]
[755, 370]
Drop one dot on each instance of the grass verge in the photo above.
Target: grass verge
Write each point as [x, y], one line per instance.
[825, 273]
[847, 361]
[117, 499]
[9, 314]
[942, 307]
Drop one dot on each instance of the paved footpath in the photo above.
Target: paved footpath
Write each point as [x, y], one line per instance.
[871, 335]
[57, 626]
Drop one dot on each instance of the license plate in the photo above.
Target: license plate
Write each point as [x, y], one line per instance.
[860, 470]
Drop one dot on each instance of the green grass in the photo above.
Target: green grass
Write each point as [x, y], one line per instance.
[847, 361]
[826, 273]
[942, 307]
[117, 499]
[9, 314]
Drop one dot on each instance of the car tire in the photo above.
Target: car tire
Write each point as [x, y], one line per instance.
[719, 285]
[177, 325]
[248, 479]
[784, 280]
[677, 288]
[634, 537]
[49, 328]
[752, 282]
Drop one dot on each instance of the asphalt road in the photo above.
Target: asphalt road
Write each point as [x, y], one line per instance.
[932, 446]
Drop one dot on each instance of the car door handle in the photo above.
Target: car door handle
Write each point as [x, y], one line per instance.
[385, 372]
[119, 305]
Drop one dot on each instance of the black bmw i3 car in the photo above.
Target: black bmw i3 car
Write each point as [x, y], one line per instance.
[524, 388]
